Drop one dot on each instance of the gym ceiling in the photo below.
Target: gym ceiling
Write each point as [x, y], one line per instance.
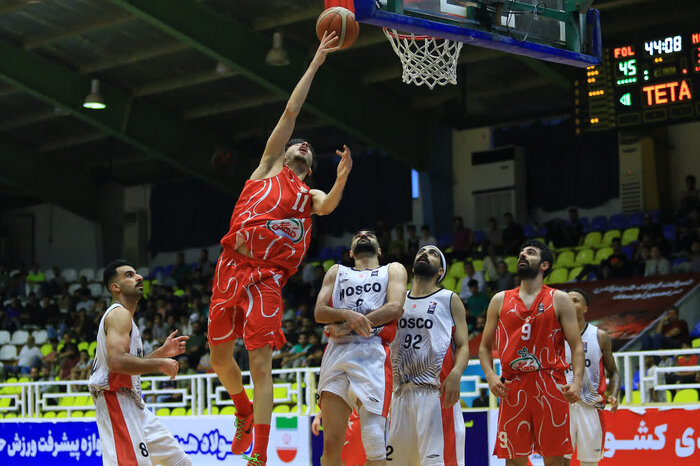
[184, 79]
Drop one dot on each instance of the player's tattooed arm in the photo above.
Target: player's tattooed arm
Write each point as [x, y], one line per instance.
[450, 387]
[324, 313]
[497, 386]
[119, 360]
[566, 313]
[395, 297]
[273, 157]
[610, 368]
[324, 204]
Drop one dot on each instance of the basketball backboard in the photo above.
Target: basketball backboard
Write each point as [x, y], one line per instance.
[559, 31]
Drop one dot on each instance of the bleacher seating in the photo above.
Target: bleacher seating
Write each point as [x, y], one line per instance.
[19, 337]
[630, 235]
[5, 337]
[686, 395]
[609, 236]
[88, 273]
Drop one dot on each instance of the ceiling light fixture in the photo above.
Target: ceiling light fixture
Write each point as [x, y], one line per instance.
[94, 98]
[277, 56]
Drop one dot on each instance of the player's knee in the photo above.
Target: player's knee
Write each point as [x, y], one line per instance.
[373, 435]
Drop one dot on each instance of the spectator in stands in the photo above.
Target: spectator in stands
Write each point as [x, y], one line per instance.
[573, 230]
[683, 360]
[471, 320]
[694, 258]
[412, 241]
[556, 233]
[491, 264]
[185, 325]
[482, 401]
[29, 356]
[181, 383]
[12, 313]
[504, 279]
[289, 330]
[471, 274]
[181, 270]
[478, 301]
[426, 237]
[478, 327]
[650, 230]
[47, 310]
[281, 354]
[617, 264]
[81, 371]
[203, 264]
[35, 277]
[18, 285]
[398, 246]
[204, 366]
[52, 356]
[313, 359]
[639, 264]
[657, 264]
[195, 345]
[462, 239]
[57, 284]
[150, 343]
[671, 332]
[297, 353]
[513, 235]
[160, 329]
[68, 359]
[494, 236]
[690, 199]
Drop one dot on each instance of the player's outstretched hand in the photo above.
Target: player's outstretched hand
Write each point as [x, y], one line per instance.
[499, 386]
[450, 390]
[328, 44]
[612, 401]
[170, 367]
[174, 345]
[571, 392]
[316, 425]
[345, 164]
[359, 323]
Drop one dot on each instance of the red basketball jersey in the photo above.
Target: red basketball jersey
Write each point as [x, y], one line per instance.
[273, 217]
[529, 339]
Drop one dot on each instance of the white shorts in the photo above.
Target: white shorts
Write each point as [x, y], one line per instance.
[418, 435]
[359, 373]
[587, 428]
[132, 436]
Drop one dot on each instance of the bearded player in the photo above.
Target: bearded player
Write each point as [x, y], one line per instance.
[428, 356]
[587, 414]
[529, 324]
[361, 306]
[268, 238]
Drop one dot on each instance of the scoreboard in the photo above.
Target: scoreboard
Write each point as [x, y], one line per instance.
[653, 81]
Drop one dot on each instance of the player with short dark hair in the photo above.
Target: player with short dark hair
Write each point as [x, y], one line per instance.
[529, 325]
[360, 305]
[268, 238]
[130, 434]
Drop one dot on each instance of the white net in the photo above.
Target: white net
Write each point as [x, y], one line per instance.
[425, 60]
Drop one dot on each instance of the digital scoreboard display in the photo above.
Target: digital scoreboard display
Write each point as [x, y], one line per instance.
[643, 83]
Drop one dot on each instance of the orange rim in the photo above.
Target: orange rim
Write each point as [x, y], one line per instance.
[397, 35]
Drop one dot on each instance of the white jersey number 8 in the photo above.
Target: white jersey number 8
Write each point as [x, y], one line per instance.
[527, 331]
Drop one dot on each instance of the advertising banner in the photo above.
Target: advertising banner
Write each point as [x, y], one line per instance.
[207, 439]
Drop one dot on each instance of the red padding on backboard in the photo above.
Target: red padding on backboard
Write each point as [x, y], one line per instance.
[349, 4]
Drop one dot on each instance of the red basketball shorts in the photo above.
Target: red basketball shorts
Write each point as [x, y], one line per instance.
[246, 302]
[534, 417]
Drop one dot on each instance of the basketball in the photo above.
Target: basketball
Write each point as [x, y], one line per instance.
[342, 21]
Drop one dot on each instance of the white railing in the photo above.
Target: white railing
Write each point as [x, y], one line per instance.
[294, 390]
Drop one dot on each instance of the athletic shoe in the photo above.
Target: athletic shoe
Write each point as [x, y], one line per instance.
[243, 436]
[253, 460]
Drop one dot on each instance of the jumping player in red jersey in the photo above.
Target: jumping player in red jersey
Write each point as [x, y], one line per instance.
[268, 238]
[530, 324]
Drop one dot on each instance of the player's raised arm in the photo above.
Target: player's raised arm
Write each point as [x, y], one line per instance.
[118, 330]
[273, 157]
[324, 313]
[493, 312]
[566, 313]
[324, 204]
[610, 368]
[395, 297]
[450, 387]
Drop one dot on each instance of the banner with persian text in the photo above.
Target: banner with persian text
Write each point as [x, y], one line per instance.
[206, 439]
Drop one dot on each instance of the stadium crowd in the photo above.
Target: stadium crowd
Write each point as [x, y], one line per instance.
[177, 297]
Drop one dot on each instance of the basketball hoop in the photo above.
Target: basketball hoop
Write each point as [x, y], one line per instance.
[424, 59]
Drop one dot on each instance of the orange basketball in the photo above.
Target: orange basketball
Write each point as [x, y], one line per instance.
[342, 21]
